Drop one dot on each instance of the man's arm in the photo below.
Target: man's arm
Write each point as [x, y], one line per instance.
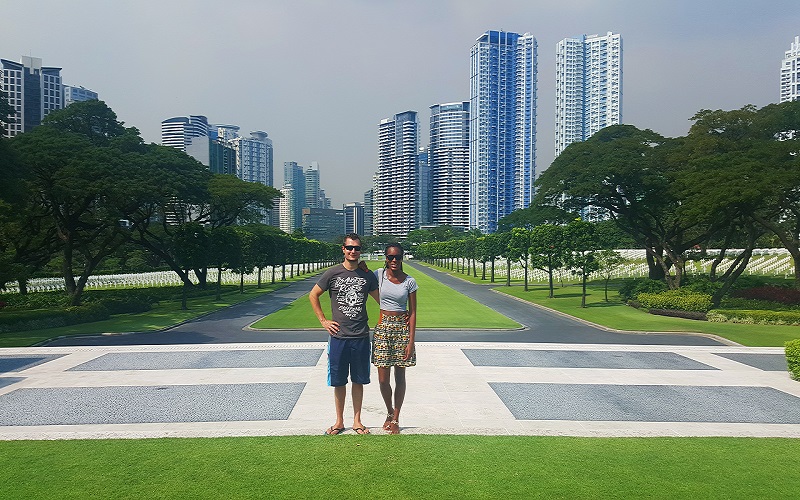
[329, 325]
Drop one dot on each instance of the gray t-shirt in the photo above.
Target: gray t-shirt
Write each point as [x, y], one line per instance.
[394, 296]
[349, 291]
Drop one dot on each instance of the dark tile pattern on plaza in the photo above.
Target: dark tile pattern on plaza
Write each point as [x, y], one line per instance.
[268, 358]
[19, 362]
[4, 381]
[766, 362]
[648, 403]
[582, 359]
[143, 404]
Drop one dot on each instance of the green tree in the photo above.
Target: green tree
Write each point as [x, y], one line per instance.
[582, 259]
[608, 261]
[518, 248]
[627, 172]
[7, 114]
[191, 250]
[548, 250]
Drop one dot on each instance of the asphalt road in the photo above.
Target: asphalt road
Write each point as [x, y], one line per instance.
[539, 324]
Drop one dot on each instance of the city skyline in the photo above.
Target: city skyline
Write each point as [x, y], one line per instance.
[319, 75]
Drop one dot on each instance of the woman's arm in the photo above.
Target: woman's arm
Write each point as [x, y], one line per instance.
[412, 323]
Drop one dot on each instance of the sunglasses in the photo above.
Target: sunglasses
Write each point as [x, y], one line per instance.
[394, 257]
[356, 248]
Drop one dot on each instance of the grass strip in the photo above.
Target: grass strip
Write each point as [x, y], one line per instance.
[438, 306]
[401, 467]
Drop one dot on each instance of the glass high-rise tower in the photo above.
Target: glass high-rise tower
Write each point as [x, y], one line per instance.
[502, 129]
[588, 87]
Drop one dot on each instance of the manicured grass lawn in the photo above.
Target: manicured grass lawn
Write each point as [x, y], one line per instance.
[162, 315]
[437, 307]
[401, 467]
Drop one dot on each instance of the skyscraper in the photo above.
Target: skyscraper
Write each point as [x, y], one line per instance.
[588, 87]
[294, 179]
[254, 157]
[424, 189]
[395, 193]
[32, 90]
[502, 130]
[790, 73]
[368, 213]
[312, 187]
[288, 218]
[448, 157]
[354, 218]
[178, 132]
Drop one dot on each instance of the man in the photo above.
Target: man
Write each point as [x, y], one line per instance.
[348, 343]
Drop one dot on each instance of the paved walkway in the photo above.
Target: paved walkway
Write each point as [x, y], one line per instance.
[556, 377]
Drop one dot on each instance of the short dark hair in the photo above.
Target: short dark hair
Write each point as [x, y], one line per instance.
[351, 236]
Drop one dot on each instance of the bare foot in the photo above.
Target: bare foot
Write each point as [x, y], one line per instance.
[389, 418]
[394, 427]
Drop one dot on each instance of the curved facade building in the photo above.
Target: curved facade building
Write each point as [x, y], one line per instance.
[448, 158]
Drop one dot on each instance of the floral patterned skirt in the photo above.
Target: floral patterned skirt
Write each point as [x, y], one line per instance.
[390, 341]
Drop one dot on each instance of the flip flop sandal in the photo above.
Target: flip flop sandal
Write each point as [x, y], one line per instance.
[334, 431]
[361, 430]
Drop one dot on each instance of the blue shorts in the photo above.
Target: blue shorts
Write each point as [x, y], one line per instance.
[348, 356]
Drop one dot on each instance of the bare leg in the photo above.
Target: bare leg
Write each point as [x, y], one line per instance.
[339, 396]
[384, 375]
[399, 396]
[358, 397]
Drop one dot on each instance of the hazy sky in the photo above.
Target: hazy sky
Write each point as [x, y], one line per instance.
[318, 76]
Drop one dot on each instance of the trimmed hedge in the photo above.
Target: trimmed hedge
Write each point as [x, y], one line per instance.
[51, 318]
[681, 300]
[631, 288]
[674, 313]
[754, 317]
[793, 358]
[782, 294]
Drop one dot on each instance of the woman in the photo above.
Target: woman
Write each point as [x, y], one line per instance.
[393, 341]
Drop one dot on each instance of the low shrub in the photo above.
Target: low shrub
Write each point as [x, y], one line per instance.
[741, 303]
[674, 313]
[754, 317]
[793, 358]
[681, 299]
[781, 294]
[630, 289]
[16, 321]
[701, 284]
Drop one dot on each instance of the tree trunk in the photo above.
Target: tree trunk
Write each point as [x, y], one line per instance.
[483, 273]
[241, 282]
[525, 267]
[492, 269]
[219, 282]
[184, 305]
[508, 274]
[22, 283]
[259, 277]
[583, 294]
